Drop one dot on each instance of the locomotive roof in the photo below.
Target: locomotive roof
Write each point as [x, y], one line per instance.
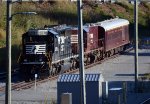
[112, 23]
[41, 32]
[53, 32]
[85, 28]
[62, 28]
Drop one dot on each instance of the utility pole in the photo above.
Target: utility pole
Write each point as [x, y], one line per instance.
[136, 42]
[81, 52]
[8, 45]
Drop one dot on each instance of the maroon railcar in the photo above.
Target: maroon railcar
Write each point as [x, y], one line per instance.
[115, 33]
[109, 34]
[116, 38]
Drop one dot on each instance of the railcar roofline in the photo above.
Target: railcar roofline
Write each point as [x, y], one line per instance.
[110, 24]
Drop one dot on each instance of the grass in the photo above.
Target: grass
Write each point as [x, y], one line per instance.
[2, 38]
[56, 13]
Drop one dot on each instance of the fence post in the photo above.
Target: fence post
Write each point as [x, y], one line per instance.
[118, 99]
[104, 92]
[124, 92]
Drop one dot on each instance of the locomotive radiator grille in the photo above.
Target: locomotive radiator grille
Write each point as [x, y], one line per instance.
[36, 49]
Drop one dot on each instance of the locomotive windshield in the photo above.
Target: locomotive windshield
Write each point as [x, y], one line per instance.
[35, 39]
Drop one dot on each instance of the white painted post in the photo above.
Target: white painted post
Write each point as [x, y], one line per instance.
[35, 81]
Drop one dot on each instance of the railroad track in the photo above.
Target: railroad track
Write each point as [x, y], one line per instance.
[26, 85]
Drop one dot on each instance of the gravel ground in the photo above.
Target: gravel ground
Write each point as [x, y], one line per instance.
[118, 69]
[122, 67]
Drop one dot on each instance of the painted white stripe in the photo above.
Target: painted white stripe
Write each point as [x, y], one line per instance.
[36, 49]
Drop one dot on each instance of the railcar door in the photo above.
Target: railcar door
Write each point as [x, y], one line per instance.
[101, 36]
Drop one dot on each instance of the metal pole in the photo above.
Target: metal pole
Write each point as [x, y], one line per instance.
[35, 76]
[81, 52]
[119, 99]
[124, 92]
[8, 45]
[136, 42]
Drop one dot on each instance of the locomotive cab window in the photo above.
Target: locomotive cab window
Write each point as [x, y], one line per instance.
[35, 39]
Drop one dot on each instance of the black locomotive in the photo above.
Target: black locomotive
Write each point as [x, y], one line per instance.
[53, 50]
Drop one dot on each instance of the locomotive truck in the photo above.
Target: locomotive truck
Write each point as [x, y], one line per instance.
[51, 51]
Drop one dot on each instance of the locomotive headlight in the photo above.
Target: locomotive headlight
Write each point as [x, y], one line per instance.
[25, 60]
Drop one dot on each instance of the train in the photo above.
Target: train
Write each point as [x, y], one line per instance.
[50, 51]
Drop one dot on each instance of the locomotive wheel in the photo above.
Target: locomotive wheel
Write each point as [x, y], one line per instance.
[53, 70]
[104, 55]
[101, 55]
[85, 59]
[58, 69]
[72, 61]
[121, 48]
[92, 58]
[77, 64]
[109, 53]
[74, 65]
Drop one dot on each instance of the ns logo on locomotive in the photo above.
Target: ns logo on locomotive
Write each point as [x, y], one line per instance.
[54, 50]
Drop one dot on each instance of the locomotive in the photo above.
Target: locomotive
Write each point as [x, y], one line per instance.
[53, 50]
